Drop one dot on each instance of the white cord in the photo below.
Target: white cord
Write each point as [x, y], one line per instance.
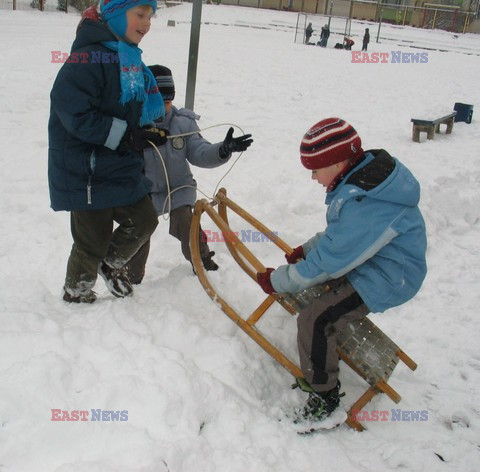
[171, 192]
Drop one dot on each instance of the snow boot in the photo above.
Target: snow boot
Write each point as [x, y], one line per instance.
[117, 280]
[208, 262]
[70, 296]
[320, 405]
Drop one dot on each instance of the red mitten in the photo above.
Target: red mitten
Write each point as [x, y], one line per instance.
[263, 279]
[295, 255]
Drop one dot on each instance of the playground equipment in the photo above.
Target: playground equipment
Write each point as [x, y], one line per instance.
[432, 126]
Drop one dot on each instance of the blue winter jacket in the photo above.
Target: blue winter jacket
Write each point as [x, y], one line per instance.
[86, 171]
[177, 153]
[375, 236]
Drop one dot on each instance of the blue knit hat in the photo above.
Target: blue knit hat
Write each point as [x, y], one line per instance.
[113, 12]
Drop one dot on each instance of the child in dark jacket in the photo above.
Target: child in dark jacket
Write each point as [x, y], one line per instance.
[372, 252]
[175, 193]
[101, 103]
[366, 39]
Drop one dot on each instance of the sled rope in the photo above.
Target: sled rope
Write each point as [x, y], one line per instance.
[168, 200]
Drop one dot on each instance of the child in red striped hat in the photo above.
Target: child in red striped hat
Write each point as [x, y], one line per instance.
[371, 254]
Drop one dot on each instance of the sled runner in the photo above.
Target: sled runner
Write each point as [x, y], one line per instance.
[361, 344]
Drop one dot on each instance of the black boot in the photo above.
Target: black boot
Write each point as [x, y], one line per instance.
[117, 280]
[208, 262]
[320, 405]
[73, 296]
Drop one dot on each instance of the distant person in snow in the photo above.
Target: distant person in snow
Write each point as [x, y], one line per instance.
[324, 35]
[308, 33]
[366, 39]
[370, 257]
[348, 43]
[102, 109]
[177, 153]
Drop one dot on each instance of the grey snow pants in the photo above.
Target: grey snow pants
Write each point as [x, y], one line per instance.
[318, 324]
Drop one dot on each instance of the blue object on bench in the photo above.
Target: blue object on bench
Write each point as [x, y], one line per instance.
[464, 112]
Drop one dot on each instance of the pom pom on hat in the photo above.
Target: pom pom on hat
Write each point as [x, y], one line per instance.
[329, 141]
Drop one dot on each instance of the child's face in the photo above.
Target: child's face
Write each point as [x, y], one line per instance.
[326, 175]
[138, 23]
[168, 105]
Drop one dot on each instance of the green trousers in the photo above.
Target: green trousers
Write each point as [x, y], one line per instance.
[94, 240]
[180, 222]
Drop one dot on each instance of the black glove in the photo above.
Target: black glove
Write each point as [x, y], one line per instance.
[138, 138]
[231, 144]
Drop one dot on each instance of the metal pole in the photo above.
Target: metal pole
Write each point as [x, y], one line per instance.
[330, 14]
[349, 21]
[193, 53]
[465, 25]
[296, 28]
[380, 23]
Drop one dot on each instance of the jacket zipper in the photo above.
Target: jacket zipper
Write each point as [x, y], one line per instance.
[90, 175]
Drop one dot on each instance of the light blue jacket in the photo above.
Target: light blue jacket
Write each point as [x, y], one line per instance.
[374, 236]
[177, 154]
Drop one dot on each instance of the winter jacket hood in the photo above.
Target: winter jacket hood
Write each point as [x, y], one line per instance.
[91, 33]
[382, 178]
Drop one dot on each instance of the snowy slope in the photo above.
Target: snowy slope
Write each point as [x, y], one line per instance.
[200, 395]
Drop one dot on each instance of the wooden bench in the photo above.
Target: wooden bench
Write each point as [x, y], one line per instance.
[432, 126]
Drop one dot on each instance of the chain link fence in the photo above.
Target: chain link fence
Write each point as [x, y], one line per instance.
[431, 15]
[47, 5]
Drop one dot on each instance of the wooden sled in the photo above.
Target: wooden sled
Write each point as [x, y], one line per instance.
[361, 344]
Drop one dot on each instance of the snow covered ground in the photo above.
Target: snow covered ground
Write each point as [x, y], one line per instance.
[200, 395]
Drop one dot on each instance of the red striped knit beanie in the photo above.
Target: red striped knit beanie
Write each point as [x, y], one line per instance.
[329, 141]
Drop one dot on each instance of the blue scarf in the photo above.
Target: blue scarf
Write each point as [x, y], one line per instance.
[137, 81]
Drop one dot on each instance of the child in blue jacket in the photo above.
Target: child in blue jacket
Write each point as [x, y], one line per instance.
[102, 102]
[372, 252]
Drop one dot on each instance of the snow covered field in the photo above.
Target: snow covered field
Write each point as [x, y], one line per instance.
[200, 395]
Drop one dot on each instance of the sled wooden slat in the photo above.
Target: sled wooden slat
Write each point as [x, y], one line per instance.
[361, 344]
[203, 206]
[357, 406]
[385, 388]
[260, 311]
[406, 360]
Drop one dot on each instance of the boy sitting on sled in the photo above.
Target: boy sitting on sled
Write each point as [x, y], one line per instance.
[372, 252]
